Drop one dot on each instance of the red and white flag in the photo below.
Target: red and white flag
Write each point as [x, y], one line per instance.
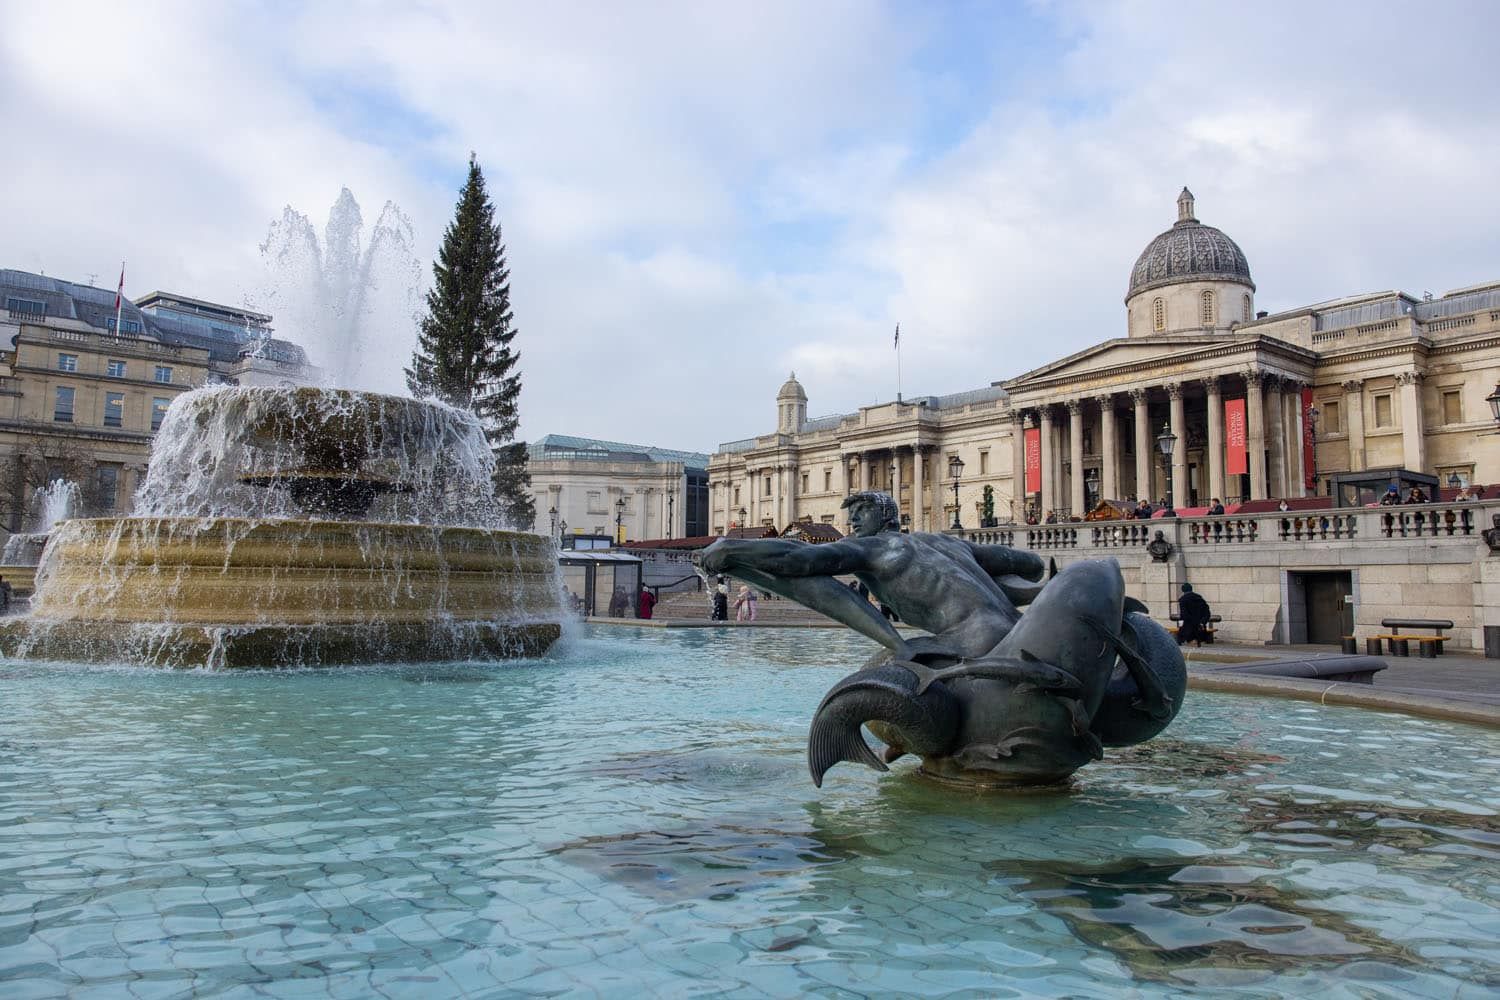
[121, 290]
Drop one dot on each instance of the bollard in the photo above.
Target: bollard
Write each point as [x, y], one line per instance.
[1492, 642]
[1400, 647]
[1427, 649]
[1350, 645]
[1372, 646]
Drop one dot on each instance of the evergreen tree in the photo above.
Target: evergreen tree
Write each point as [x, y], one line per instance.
[463, 353]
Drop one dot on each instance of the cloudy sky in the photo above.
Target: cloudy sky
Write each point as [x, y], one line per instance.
[700, 198]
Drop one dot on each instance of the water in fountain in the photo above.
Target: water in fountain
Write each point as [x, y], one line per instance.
[299, 526]
[350, 297]
[57, 501]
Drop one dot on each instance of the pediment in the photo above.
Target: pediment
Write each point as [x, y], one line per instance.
[1123, 356]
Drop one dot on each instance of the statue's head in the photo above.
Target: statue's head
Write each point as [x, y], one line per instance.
[871, 512]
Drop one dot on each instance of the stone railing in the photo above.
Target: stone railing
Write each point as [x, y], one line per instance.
[1365, 525]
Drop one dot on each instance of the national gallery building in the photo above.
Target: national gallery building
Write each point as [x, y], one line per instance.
[1259, 407]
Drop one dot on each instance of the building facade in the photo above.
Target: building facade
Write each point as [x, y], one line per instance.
[81, 400]
[626, 491]
[1256, 406]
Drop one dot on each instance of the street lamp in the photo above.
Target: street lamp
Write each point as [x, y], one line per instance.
[620, 521]
[671, 502]
[552, 514]
[1454, 482]
[1166, 443]
[743, 514]
[1312, 427]
[1494, 400]
[955, 470]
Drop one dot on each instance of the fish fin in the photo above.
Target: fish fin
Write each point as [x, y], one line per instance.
[828, 745]
[1131, 604]
[1028, 655]
[1082, 733]
[924, 674]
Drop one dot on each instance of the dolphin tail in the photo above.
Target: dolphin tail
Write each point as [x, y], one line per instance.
[923, 724]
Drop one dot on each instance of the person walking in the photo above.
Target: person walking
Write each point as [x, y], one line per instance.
[744, 604]
[720, 611]
[1195, 614]
[647, 602]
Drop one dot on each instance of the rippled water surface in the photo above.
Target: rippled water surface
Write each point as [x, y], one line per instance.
[633, 816]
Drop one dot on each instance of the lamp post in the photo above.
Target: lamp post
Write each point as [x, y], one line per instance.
[1454, 481]
[1494, 400]
[743, 514]
[620, 521]
[1166, 443]
[955, 470]
[671, 502]
[552, 528]
[1312, 429]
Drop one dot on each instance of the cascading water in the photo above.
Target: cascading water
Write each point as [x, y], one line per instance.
[352, 297]
[289, 527]
[53, 503]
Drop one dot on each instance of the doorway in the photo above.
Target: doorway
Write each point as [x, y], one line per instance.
[1327, 611]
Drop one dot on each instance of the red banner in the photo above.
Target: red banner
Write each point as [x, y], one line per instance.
[1309, 452]
[1235, 459]
[1033, 438]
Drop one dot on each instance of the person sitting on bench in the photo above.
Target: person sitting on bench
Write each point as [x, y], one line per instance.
[1195, 614]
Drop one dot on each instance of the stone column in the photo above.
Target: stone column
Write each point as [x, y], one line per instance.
[748, 500]
[1354, 421]
[1215, 437]
[1018, 467]
[1049, 453]
[866, 470]
[1109, 444]
[1142, 444]
[1180, 451]
[1075, 457]
[642, 524]
[1413, 433]
[918, 501]
[1276, 483]
[1291, 398]
[1255, 433]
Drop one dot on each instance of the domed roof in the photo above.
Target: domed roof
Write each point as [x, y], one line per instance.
[1189, 251]
[792, 389]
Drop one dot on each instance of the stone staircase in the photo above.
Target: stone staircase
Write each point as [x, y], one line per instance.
[769, 611]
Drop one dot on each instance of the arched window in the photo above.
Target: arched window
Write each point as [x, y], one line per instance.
[1158, 314]
[1208, 308]
[1248, 315]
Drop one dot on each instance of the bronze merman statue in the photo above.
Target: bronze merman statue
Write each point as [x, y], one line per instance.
[992, 696]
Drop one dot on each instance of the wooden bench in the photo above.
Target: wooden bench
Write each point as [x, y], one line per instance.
[1399, 640]
[1208, 630]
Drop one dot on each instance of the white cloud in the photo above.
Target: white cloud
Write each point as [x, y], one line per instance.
[698, 199]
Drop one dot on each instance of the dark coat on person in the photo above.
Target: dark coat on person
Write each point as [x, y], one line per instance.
[1195, 614]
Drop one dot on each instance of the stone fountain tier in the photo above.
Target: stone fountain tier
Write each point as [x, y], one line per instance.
[284, 592]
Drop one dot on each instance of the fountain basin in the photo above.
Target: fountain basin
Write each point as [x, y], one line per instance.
[223, 591]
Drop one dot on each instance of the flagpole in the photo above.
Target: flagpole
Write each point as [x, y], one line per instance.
[898, 362]
[119, 301]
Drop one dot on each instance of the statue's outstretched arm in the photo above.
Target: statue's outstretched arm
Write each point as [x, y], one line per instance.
[779, 558]
[1002, 560]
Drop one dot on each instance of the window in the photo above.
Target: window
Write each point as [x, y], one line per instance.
[826, 519]
[109, 486]
[984, 463]
[1464, 474]
[827, 480]
[766, 490]
[1453, 406]
[1248, 314]
[25, 307]
[164, 373]
[114, 409]
[62, 409]
[126, 325]
[736, 496]
[596, 502]
[1330, 417]
[158, 412]
[115, 369]
[67, 362]
[1383, 410]
[805, 480]
[1208, 308]
[1158, 314]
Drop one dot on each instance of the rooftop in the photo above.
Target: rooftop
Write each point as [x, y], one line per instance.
[568, 446]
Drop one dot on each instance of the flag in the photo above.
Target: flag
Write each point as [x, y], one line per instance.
[121, 290]
[896, 344]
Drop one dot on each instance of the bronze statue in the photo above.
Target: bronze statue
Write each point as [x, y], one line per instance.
[992, 696]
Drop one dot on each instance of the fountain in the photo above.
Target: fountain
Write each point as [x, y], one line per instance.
[289, 527]
[54, 502]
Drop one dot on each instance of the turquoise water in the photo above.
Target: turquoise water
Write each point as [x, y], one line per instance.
[633, 817]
